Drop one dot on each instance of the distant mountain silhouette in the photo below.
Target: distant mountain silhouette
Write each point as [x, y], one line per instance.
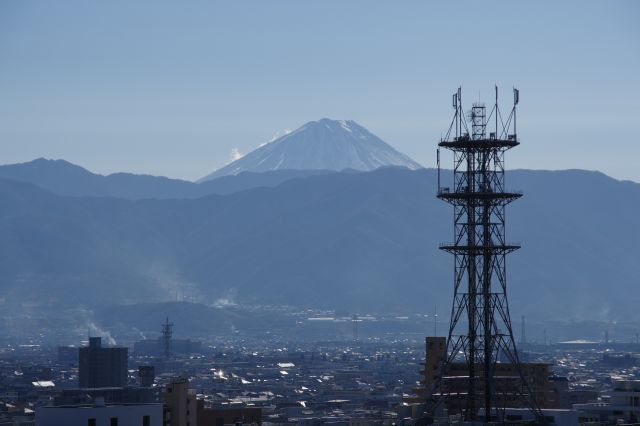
[360, 242]
[320, 145]
[64, 178]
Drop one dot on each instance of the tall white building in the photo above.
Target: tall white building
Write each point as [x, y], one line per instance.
[621, 404]
[100, 414]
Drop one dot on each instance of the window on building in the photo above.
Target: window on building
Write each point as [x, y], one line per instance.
[146, 420]
[91, 422]
[114, 421]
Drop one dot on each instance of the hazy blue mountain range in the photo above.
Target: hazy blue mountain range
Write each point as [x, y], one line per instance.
[64, 178]
[320, 145]
[361, 242]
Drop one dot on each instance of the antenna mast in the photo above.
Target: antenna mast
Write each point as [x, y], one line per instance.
[167, 334]
[354, 321]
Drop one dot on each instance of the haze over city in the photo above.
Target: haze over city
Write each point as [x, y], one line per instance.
[345, 213]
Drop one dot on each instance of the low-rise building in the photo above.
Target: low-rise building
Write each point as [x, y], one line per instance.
[507, 378]
[100, 414]
[619, 405]
[181, 406]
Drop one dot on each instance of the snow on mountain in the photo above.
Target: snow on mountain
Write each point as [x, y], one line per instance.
[320, 145]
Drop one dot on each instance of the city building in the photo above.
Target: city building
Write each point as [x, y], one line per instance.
[221, 416]
[552, 417]
[562, 396]
[100, 414]
[115, 395]
[146, 375]
[181, 406]
[102, 367]
[183, 409]
[620, 405]
[508, 380]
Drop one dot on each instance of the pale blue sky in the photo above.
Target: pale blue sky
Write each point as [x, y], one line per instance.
[170, 88]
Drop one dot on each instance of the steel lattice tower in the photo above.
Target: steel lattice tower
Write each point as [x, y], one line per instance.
[167, 334]
[354, 322]
[480, 331]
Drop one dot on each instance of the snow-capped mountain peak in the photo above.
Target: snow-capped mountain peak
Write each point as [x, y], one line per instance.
[320, 145]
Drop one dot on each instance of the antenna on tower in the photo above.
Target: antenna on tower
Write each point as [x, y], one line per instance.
[516, 99]
[435, 320]
[167, 333]
[496, 111]
[438, 163]
[523, 331]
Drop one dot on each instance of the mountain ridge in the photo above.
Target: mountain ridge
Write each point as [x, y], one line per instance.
[355, 241]
[67, 179]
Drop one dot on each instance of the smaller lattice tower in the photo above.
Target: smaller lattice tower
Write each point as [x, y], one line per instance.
[354, 321]
[167, 334]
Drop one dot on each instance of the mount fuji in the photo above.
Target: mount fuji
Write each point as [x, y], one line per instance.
[320, 145]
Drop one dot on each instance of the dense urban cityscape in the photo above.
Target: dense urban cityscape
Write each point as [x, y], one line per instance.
[360, 380]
